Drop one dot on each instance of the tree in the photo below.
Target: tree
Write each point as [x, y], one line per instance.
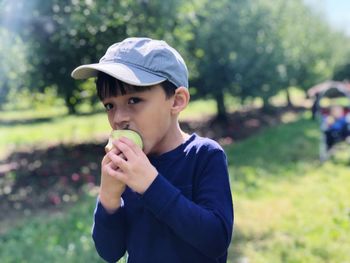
[63, 34]
[13, 65]
[250, 49]
[237, 51]
[214, 49]
[254, 49]
[311, 48]
[342, 73]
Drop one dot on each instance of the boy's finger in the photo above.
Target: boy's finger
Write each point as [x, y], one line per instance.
[119, 161]
[105, 160]
[126, 150]
[112, 165]
[135, 148]
[118, 174]
[114, 149]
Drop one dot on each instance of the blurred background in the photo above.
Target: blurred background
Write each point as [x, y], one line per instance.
[251, 64]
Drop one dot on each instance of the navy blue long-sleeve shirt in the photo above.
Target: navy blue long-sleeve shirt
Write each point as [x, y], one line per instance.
[186, 215]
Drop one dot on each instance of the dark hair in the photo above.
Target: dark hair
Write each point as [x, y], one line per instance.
[108, 86]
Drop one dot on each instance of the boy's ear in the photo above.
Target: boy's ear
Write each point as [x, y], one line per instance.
[180, 100]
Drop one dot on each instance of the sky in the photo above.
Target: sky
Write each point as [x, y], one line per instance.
[337, 12]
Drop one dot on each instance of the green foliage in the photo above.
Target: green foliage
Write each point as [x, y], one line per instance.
[257, 48]
[13, 65]
[24, 99]
[250, 49]
[62, 35]
[342, 73]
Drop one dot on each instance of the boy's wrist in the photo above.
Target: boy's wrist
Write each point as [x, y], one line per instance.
[110, 204]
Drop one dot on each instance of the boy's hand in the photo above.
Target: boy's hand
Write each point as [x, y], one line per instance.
[135, 170]
[111, 188]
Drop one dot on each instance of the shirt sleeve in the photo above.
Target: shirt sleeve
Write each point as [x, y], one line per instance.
[205, 222]
[108, 233]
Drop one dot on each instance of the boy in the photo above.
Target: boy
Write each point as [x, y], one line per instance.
[336, 126]
[170, 201]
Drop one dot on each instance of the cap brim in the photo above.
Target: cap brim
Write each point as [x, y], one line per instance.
[127, 74]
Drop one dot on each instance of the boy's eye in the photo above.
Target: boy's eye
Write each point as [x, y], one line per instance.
[108, 106]
[134, 100]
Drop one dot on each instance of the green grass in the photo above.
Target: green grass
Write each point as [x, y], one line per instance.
[41, 128]
[61, 237]
[58, 129]
[288, 207]
[33, 128]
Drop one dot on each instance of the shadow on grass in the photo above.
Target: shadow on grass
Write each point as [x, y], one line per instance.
[240, 124]
[40, 120]
[43, 178]
[31, 121]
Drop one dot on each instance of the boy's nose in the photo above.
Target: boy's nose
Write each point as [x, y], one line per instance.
[121, 119]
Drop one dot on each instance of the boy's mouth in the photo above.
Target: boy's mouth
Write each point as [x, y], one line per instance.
[126, 127]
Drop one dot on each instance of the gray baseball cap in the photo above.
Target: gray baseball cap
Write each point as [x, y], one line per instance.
[139, 62]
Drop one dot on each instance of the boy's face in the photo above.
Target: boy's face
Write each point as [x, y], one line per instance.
[147, 112]
[337, 112]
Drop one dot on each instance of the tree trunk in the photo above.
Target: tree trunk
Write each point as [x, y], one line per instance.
[221, 109]
[289, 101]
[70, 106]
[266, 107]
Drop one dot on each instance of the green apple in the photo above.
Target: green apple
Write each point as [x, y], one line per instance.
[117, 134]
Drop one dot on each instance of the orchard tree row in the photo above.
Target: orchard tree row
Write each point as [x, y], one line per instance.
[247, 48]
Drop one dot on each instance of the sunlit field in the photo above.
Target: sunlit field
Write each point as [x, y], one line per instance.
[288, 207]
